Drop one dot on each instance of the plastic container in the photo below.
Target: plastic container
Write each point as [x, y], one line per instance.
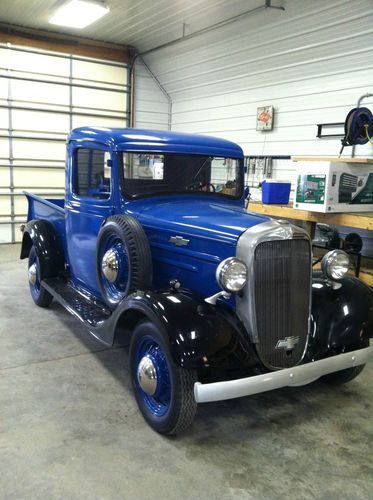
[276, 192]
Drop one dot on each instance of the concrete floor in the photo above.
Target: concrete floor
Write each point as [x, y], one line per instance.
[70, 428]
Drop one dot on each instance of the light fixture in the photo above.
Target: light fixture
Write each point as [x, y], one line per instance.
[335, 264]
[231, 274]
[79, 13]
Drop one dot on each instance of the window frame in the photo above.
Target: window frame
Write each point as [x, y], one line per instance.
[74, 172]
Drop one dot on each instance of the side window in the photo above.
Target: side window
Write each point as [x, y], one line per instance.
[92, 173]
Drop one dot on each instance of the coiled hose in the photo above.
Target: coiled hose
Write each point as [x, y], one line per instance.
[358, 127]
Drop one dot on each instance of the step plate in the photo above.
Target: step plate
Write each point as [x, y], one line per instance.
[87, 308]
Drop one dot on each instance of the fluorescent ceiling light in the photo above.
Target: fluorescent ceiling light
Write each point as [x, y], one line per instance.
[79, 13]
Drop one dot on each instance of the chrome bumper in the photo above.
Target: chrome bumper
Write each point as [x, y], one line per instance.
[299, 375]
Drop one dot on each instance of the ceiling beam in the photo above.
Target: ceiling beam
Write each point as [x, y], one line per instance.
[58, 42]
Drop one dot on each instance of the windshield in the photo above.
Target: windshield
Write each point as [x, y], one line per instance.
[147, 174]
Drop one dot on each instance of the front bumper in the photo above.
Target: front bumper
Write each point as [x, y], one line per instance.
[299, 375]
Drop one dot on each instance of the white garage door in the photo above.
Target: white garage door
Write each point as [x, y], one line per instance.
[42, 96]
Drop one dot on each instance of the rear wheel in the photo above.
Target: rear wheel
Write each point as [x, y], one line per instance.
[39, 294]
[163, 390]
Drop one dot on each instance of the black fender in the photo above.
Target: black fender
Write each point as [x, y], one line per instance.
[43, 236]
[197, 332]
[342, 316]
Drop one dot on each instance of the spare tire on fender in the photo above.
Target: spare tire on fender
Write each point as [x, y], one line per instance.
[123, 259]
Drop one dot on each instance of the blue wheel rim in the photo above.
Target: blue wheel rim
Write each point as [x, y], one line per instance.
[159, 403]
[115, 291]
[35, 288]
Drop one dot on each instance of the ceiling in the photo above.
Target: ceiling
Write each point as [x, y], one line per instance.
[143, 24]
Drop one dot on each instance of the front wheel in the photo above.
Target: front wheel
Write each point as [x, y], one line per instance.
[163, 390]
[342, 376]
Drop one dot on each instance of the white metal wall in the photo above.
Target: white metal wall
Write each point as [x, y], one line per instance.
[42, 96]
[151, 104]
[311, 63]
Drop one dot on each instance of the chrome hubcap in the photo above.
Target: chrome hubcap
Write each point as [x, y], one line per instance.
[147, 375]
[32, 273]
[110, 265]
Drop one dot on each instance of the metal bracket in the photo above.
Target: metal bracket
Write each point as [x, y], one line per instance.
[213, 299]
[320, 126]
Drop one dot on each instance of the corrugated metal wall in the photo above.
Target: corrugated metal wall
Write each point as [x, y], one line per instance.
[151, 104]
[311, 62]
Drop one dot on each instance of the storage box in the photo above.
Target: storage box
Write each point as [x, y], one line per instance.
[276, 192]
[326, 186]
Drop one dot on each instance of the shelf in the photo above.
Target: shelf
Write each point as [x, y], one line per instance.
[334, 159]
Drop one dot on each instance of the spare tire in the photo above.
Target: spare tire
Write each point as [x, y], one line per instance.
[123, 259]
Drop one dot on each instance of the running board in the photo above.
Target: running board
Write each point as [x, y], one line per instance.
[85, 307]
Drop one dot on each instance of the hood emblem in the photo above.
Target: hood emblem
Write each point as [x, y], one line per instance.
[288, 343]
[179, 241]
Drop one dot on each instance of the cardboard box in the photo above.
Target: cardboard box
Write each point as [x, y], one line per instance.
[325, 186]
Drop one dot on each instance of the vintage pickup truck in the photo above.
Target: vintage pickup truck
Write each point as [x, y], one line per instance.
[152, 247]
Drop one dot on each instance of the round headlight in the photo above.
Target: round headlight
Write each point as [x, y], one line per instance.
[335, 264]
[231, 274]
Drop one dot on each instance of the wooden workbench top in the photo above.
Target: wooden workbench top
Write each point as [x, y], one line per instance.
[334, 159]
[363, 220]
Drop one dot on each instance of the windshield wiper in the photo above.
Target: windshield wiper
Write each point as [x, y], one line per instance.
[201, 167]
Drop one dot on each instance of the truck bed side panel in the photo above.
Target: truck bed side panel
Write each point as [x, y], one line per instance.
[51, 210]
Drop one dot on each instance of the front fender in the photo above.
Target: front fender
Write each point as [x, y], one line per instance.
[342, 316]
[197, 331]
[43, 236]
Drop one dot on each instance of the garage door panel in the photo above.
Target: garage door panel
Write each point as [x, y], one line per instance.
[38, 149]
[92, 121]
[41, 63]
[36, 121]
[4, 204]
[4, 118]
[17, 232]
[3, 88]
[99, 99]
[4, 176]
[40, 92]
[94, 71]
[38, 177]
[5, 233]
[4, 148]
[20, 204]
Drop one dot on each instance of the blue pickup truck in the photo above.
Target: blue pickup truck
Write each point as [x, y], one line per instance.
[152, 248]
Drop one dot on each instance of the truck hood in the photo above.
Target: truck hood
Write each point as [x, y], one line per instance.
[193, 217]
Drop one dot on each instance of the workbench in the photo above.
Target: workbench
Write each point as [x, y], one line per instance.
[363, 220]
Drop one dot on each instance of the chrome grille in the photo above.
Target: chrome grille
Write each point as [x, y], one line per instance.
[282, 296]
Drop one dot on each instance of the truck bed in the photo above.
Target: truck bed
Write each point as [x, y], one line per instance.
[51, 210]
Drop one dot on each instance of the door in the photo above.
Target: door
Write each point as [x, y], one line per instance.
[89, 201]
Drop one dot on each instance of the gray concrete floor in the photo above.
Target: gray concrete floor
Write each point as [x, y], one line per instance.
[70, 428]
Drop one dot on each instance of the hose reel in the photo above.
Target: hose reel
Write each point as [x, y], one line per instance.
[358, 127]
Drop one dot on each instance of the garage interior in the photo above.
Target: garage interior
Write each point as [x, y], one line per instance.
[69, 423]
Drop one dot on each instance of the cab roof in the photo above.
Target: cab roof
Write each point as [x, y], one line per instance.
[132, 139]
